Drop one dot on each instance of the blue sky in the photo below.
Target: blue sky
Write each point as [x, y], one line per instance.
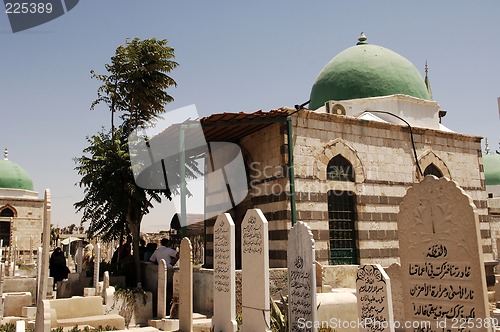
[233, 56]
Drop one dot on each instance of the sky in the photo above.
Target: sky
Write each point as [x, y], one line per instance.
[233, 56]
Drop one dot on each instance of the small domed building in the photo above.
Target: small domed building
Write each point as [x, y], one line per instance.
[21, 211]
[343, 164]
[492, 180]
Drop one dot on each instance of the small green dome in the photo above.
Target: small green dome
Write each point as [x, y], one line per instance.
[364, 71]
[491, 163]
[13, 176]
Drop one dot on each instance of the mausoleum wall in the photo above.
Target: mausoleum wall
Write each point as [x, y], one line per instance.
[384, 164]
[26, 223]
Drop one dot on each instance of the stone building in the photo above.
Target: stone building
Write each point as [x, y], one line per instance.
[343, 165]
[21, 211]
[492, 179]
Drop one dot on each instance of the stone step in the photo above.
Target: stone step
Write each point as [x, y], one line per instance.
[29, 312]
[200, 323]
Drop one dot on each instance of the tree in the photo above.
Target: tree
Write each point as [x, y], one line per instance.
[136, 82]
[135, 85]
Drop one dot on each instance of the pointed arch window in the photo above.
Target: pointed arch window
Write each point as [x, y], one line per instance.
[342, 214]
[433, 170]
[340, 169]
[7, 213]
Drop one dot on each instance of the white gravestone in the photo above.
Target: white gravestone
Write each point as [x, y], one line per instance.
[186, 287]
[97, 261]
[224, 318]
[162, 289]
[373, 289]
[301, 278]
[255, 298]
[394, 273]
[40, 324]
[39, 258]
[20, 326]
[442, 258]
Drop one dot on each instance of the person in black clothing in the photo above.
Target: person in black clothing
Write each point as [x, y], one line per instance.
[142, 249]
[57, 266]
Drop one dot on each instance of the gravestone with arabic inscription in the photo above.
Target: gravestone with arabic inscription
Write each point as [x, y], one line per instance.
[441, 258]
[373, 289]
[301, 278]
[255, 298]
[224, 318]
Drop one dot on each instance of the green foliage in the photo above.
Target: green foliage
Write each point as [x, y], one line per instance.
[239, 320]
[137, 80]
[109, 187]
[126, 297]
[8, 327]
[135, 85]
[279, 318]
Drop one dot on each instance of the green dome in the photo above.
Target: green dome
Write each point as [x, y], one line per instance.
[13, 176]
[491, 163]
[364, 71]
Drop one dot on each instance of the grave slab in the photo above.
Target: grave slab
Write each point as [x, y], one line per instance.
[255, 272]
[224, 318]
[441, 257]
[301, 277]
[373, 288]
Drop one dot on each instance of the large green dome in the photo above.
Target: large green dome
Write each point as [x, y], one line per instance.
[491, 163]
[13, 176]
[364, 71]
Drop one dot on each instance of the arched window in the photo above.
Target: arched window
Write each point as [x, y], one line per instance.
[340, 169]
[7, 213]
[433, 170]
[341, 214]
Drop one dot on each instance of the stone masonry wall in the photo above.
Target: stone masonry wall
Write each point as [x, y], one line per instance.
[384, 165]
[265, 159]
[383, 159]
[27, 223]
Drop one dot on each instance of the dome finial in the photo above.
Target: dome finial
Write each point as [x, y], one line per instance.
[6, 154]
[426, 80]
[486, 146]
[362, 39]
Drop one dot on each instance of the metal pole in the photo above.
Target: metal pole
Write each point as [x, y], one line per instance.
[182, 171]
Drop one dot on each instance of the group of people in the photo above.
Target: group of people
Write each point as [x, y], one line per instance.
[166, 252]
[58, 267]
[148, 253]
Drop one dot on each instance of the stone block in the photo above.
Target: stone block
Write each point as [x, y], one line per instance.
[14, 303]
[29, 312]
[337, 307]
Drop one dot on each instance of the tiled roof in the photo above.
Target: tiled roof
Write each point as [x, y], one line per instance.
[230, 127]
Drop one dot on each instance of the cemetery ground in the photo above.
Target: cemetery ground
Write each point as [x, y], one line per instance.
[441, 283]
